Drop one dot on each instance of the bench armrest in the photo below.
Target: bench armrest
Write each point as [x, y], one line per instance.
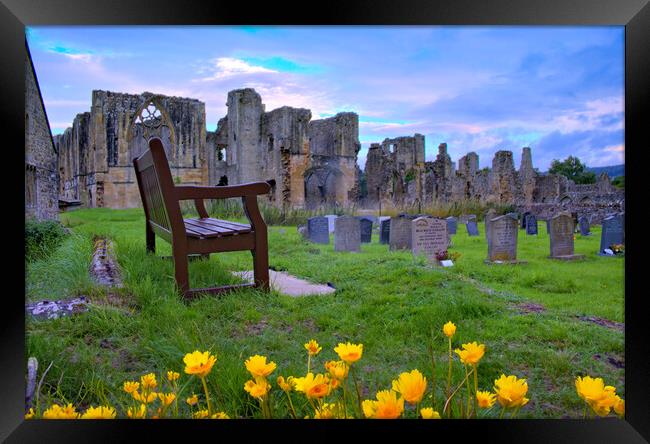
[192, 192]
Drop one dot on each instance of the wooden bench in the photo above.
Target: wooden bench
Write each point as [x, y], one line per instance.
[205, 235]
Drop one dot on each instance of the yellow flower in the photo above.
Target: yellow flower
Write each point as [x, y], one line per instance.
[192, 400]
[220, 415]
[101, 412]
[619, 407]
[257, 388]
[411, 385]
[201, 414]
[313, 348]
[471, 353]
[58, 412]
[151, 397]
[511, 391]
[199, 364]
[137, 412]
[131, 386]
[148, 381]
[285, 385]
[349, 352]
[485, 399]
[429, 413]
[313, 386]
[327, 411]
[258, 367]
[30, 413]
[166, 398]
[600, 398]
[337, 369]
[387, 406]
[173, 376]
[449, 329]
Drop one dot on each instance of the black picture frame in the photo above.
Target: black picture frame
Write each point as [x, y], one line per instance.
[633, 14]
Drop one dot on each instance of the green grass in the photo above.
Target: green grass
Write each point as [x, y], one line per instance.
[391, 302]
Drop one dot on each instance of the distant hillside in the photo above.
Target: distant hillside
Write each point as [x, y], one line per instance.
[612, 171]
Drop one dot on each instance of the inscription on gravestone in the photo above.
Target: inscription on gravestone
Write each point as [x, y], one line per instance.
[366, 230]
[318, 230]
[531, 224]
[503, 239]
[452, 224]
[384, 231]
[347, 234]
[562, 236]
[429, 236]
[612, 232]
[400, 233]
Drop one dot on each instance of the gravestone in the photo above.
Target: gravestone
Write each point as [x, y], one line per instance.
[366, 230]
[472, 227]
[583, 222]
[330, 221]
[452, 224]
[612, 232]
[562, 237]
[384, 231]
[502, 244]
[400, 233]
[491, 214]
[548, 226]
[531, 224]
[318, 230]
[429, 237]
[523, 220]
[373, 219]
[347, 234]
[302, 229]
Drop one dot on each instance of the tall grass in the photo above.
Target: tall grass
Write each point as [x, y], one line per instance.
[444, 209]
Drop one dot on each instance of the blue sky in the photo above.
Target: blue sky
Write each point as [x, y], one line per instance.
[559, 90]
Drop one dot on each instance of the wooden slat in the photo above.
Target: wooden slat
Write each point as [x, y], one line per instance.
[204, 232]
[241, 228]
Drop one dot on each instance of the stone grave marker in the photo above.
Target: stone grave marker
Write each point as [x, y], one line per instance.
[400, 233]
[583, 222]
[491, 214]
[472, 227]
[347, 234]
[502, 245]
[365, 226]
[612, 232]
[452, 225]
[384, 231]
[562, 237]
[318, 230]
[531, 225]
[523, 219]
[548, 226]
[429, 237]
[330, 221]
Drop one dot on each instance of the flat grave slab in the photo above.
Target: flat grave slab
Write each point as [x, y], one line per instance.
[287, 284]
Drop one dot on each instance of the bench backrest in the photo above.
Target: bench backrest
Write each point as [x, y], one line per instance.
[161, 208]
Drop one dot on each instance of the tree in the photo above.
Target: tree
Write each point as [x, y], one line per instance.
[619, 182]
[572, 168]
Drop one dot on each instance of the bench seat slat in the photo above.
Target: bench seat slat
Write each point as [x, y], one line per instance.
[242, 228]
[210, 228]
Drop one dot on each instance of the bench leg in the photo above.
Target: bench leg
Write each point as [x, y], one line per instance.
[151, 239]
[261, 267]
[181, 271]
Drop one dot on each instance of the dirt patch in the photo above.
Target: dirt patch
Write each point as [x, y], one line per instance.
[613, 360]
[103, 267]
[116, 299]
[603, 322]
[257, 328]
[124, 361]
[529, 307]
[310, 325]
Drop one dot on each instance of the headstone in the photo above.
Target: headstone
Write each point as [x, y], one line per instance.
[502, 244]
[302, 229]
[384, 231]
[429, 237]
[400, 233]
[373, 219]
[583, 222]
[472, 227]
[330, 221]
[523, 220]
[562, 237]
[452, 224]
[531, 224]
[612, 232]
[347, 234]
[366, 230]
[491, 214]
[548, 226]
[318, 230]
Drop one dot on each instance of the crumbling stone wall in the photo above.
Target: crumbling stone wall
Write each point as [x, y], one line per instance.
[41, 175]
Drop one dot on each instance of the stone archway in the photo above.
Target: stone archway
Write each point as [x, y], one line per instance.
[151, 119]
[321, 186]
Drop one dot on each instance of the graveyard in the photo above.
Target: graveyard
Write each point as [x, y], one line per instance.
[542, 319]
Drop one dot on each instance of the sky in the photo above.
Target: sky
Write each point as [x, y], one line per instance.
[558, 90]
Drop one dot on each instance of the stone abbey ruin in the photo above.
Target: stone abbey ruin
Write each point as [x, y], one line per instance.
[309, 163]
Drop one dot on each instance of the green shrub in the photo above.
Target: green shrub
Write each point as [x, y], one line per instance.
[42, 238]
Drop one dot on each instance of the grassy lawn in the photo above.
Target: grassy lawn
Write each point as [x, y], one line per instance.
[528, 316]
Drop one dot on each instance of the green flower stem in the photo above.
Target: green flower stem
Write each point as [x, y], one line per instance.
[475, 390]
[469, 397]
[503, 410]
[356, 386]
[207, 395]
[293, 411]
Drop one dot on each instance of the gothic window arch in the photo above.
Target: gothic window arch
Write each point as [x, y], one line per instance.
[151, 119]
